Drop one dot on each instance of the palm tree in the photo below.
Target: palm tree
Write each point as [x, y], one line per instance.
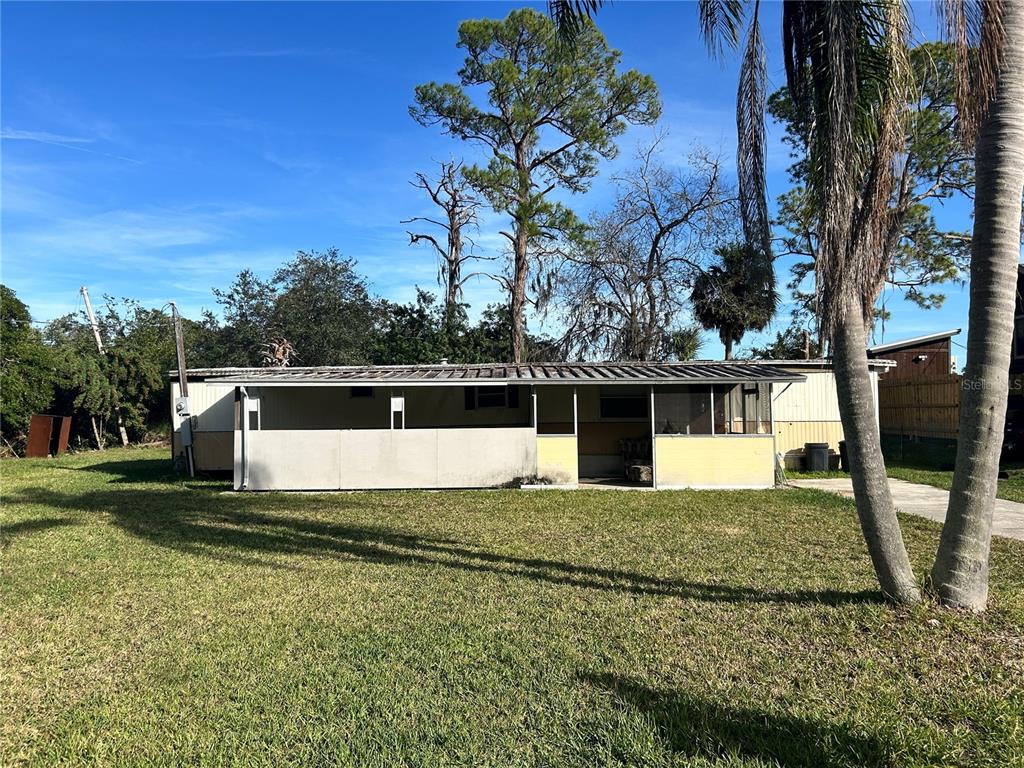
[724, 298]
[990, 41]
[846, 65]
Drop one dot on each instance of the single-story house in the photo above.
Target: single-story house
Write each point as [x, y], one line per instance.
[701, 424]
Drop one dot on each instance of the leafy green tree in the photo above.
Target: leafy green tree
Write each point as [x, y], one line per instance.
[322, 306]
[790, 344]
[551, 112]
[422, 332]
[934, 167]
[318, 302]
[488, 341]
[725, 298]
[127, 379]
[247, 307]
[26, 368]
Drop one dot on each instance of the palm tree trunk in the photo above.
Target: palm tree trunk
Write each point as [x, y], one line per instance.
[960, 573]
[867, 467]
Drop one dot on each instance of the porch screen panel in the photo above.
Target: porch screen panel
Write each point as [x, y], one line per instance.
[682, 410]
[742, 409]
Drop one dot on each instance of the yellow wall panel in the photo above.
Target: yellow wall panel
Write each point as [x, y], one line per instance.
[557, 459]
[791, 435]
[714, 462]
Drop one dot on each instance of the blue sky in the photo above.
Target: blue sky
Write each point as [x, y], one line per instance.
[154, 150]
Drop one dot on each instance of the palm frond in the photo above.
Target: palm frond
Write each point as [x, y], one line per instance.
[975, 28]
[750, 156]
[721, 23]
[570, 15]
[846, 64]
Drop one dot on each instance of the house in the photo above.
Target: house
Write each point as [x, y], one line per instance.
[808, 411]
[706, 424]
[919, 357]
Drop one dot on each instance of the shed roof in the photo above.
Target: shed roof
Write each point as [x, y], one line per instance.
[893, 346]
[691, 371]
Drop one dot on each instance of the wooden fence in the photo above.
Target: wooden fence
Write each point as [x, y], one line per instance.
[925, 407]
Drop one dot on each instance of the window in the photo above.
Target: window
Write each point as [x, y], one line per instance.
[361, 392]
[491, 397]
[1018, 336]
[624, 402]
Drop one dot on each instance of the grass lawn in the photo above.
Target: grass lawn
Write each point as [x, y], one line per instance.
[146, 620]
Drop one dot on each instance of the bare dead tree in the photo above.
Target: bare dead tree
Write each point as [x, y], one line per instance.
[278, 353]
[459, 208]
[623, 293]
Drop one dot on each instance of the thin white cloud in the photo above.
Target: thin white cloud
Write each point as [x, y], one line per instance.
[60, 140]
[44, 137]
[292, 164]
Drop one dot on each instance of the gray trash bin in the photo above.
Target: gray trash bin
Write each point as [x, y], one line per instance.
[817, 456]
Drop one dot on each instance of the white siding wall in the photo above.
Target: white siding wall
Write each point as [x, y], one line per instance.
[213, 406]
[328, 459]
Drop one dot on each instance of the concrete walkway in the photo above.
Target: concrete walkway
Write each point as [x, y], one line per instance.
[928, 501]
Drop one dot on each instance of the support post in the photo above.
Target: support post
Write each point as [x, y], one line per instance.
[244, 412]
[533, 406]
[654, 451]
[181, 406]
[575, 416]
[712, 388]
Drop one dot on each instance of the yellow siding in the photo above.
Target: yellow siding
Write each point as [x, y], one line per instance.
[557, 459]
[714, 462]
[791, 435]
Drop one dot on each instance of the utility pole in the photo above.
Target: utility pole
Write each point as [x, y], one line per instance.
[181, 408]
[99, 348]
[807, 344]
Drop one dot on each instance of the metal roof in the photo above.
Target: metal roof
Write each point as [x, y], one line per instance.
[894, 345]
[691, 371]
[874, 363]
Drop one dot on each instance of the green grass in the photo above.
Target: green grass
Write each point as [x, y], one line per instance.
[146, 620]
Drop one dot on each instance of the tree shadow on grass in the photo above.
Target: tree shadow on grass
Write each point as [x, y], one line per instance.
[141, 470]
[695, 727]
[9, 531]
[231, 527]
